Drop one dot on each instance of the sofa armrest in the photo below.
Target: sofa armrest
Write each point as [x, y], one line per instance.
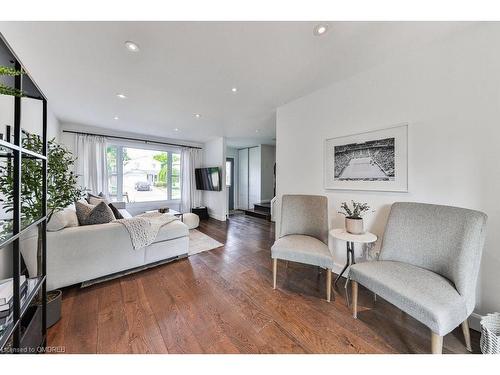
[119, 205]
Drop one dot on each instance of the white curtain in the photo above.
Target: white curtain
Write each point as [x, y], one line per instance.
[90, 167]
[191, 158]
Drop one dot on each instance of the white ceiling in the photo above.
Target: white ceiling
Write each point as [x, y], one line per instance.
[185, 68]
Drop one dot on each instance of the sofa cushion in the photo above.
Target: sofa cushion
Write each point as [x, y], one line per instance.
[302, 249]
[89, 215]
[423, 294]
[174, 229]
[125, 214]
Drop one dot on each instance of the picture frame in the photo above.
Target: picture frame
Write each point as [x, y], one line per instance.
[374, 161]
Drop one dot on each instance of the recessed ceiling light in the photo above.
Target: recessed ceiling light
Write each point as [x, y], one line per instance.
[176, 129]
[116, 118]
[121, 96]
[234, 89]
[131, 46]
[197, 115]
[257, 130]
[320, 29]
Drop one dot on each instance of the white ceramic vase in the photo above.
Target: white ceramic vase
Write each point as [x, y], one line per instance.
[354, 225]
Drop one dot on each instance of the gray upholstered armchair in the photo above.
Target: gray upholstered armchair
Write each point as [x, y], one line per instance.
[428, 266]
[303, 236]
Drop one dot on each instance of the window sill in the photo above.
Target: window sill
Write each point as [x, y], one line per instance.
[173, 201]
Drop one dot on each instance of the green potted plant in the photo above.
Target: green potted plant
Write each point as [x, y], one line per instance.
[62, 190]
[354, 216]
[7, 90]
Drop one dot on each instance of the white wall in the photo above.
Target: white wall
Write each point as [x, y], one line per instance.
[214, 155]
[449, 93]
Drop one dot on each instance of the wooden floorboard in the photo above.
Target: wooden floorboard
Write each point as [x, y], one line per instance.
[222, 301]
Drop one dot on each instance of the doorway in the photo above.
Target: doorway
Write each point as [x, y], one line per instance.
[230, 182]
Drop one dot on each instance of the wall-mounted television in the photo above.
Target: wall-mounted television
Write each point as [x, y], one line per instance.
[208, 179]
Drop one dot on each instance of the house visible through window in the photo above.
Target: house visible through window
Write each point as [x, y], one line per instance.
[142, 175]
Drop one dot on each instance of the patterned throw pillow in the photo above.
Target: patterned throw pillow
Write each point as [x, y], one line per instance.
[89, 215]
[90, 195]
[83, 210]
[95, 201]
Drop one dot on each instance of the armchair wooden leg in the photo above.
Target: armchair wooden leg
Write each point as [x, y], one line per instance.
[328, 284]
[275, 271]
[437, 343]
[465, 330]
[354, 299]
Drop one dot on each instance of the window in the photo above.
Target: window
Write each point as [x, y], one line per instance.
[143, 175]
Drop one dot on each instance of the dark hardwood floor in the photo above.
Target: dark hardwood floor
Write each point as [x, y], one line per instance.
[222, 301]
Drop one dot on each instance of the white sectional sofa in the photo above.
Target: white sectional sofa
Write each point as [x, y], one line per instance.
[83, 253]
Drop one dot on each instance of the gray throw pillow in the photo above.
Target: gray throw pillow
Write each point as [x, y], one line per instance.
[116, 213]
[89, 215]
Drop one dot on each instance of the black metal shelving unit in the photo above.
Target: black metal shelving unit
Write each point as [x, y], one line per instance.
[26, 332]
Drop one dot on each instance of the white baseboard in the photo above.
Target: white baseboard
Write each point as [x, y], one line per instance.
[474, 320]
[218, 217]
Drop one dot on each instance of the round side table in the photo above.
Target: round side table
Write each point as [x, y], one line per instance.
[351, 239]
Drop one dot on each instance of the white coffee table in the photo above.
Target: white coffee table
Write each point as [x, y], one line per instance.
[170, 211]
[351, 239]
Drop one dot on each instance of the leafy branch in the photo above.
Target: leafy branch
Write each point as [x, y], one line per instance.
[8, 71]
[62, 186]
[7, 90]
[357, 210]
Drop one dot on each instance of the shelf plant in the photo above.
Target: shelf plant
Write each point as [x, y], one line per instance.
[62, 187]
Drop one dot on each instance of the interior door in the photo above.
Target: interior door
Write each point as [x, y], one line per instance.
[254, 177]
[230, 182]
[243, 179]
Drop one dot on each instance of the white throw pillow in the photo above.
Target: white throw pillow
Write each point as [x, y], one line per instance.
[71, 218]
[62, 219]
[56, 222]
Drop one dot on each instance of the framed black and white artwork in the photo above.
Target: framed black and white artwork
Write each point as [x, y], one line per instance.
[375, 160]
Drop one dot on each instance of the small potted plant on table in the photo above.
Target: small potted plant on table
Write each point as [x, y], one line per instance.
[354, 216]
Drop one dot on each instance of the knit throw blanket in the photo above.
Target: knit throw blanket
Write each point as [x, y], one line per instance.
[144, 228]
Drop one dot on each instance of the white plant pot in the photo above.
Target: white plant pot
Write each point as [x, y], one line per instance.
[354, 226]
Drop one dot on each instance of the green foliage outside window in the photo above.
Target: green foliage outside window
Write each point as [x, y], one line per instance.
[163, 173]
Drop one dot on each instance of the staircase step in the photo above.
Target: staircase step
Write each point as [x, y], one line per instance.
[264, 207]
[257, 213]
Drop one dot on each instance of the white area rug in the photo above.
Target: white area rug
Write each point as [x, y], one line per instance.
[200, 242]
